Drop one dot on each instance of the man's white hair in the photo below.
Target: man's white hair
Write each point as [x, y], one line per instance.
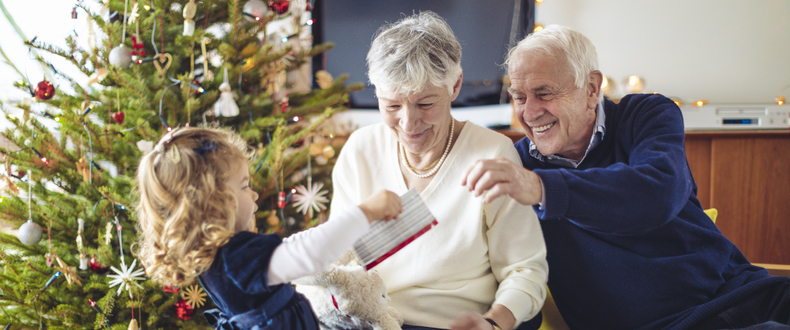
[554, 40]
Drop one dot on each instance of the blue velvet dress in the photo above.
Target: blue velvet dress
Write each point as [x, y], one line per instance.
[237, 283]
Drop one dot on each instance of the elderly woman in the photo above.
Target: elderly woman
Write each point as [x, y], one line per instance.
[484, 265]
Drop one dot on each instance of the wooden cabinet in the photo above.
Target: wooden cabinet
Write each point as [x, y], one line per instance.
[746, 176]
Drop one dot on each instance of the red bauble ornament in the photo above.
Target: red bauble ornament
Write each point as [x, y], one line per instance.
[308, 7]
[21, 174]
[279, 7]
[96, 267]
[45, 90]
[171, 289]
[183, 310]
[118, 117]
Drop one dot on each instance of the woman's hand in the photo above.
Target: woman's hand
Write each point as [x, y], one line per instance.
[471, 321]
[383, 204]
[500, 176]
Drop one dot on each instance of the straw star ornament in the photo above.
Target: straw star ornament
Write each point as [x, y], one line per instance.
[194, 295]
[126, 277]
[310, 198]
[69, 272]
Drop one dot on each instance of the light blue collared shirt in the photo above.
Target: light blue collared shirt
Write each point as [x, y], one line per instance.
[598, 132]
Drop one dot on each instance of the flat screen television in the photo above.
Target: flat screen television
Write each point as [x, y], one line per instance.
[484, 29]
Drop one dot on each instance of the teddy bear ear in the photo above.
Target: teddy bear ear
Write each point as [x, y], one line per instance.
[347, 257]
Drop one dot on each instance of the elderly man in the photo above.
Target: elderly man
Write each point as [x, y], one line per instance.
[628, 244]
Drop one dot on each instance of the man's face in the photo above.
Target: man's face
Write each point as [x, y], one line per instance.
[556, 115]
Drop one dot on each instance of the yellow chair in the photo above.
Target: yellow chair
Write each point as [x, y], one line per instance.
[712, 213]
[552, 320]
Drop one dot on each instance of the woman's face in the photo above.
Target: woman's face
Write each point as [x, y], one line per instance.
[421, 120]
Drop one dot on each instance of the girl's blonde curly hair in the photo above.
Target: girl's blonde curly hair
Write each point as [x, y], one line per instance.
[186, 209]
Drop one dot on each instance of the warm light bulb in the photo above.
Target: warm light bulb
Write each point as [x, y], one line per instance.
[699, 103]
[296, 118]
[634, 84]
[780, 100]
[538, 1]
[608, 87]
[538, 27]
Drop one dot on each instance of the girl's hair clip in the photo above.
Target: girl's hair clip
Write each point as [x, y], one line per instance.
[160, 147]
[208, 145]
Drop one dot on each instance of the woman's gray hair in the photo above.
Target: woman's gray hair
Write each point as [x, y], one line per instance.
[415, 52]
[578, 51]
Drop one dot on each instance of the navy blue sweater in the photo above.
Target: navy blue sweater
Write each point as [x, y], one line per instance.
[628, 244]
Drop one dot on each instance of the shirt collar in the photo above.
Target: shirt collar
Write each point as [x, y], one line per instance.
[598, 132]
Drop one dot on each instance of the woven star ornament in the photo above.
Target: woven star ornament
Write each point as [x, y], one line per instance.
[126, 277]
[194, 296]
[311, 198]
[69, 272]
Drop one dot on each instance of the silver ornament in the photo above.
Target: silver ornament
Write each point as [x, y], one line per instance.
[121, 57]
[254, 10]
[30, 233]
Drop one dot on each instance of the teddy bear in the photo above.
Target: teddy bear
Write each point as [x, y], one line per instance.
[346, 296]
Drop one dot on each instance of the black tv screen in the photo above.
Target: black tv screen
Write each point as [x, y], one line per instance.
[483, 28]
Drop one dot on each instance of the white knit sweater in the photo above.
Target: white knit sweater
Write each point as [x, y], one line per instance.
[478, 255]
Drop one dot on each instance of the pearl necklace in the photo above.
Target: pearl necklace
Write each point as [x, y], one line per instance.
[441, 160]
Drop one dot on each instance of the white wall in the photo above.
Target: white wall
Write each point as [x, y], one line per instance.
[726, 51]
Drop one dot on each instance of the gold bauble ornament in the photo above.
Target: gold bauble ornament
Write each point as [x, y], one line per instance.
[273, 220]
[316, 149]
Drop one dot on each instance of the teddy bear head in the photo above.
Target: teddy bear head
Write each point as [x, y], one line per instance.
[346, 296]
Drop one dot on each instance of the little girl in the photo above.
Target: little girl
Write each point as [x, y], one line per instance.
[196, 217]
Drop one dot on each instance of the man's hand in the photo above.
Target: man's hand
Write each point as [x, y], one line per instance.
[471, 321]
[500, 176]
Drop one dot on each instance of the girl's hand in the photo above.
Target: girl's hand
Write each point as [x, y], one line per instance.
[383, 204]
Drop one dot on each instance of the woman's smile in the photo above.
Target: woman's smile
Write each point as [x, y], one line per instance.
[416, 135]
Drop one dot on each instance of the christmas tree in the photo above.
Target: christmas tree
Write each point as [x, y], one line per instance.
[70, 160]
